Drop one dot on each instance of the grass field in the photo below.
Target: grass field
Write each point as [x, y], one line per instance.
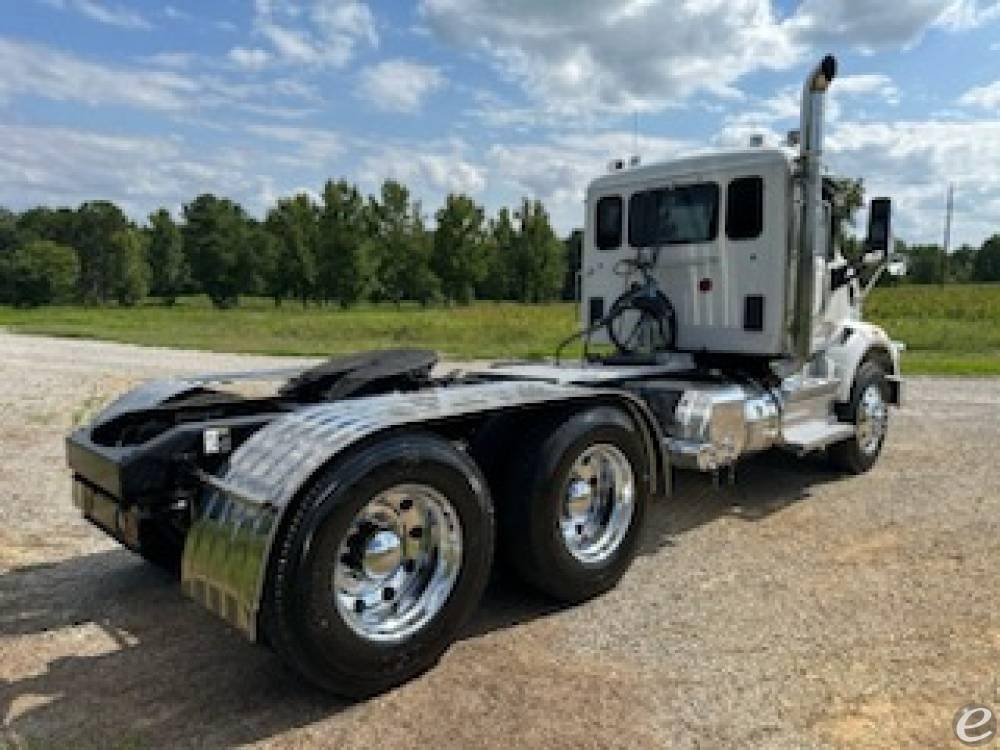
[954, 331]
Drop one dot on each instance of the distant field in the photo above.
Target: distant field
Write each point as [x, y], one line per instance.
[483, 330]
[954, 331]
[949, 331]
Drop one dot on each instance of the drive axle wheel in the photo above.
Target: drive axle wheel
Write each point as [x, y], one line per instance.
[869, 411]
[381, 563]
[575, 504]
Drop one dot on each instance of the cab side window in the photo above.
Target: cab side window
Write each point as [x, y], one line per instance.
[745, 208]
[609, 222]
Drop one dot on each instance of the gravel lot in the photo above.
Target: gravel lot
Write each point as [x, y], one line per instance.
[796, 609]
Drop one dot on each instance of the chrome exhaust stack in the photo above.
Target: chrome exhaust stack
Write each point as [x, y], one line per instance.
[811, 218]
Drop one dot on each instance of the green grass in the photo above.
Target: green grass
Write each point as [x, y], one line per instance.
[483, 330]
[954, 331]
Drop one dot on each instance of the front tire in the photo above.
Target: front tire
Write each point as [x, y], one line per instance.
[575, 504]
[869, 412]
[381, 563]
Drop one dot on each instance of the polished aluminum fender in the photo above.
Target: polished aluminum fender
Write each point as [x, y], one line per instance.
[228, 548]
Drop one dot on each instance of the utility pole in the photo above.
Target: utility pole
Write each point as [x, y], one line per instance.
[949, 209]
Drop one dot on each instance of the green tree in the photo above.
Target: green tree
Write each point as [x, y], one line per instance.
[265, 250]
[168, 266]
[574, 259]
[847, 196]
[39, 272]
[924, 264]
[215, 234]
[401, 247]
[96, 223]
[499, 252]
[129, 267]
[961, 264]
[344, 248]
[459, 256]
[56, 224]
[987, 265]
[292, 222]
[539, 262]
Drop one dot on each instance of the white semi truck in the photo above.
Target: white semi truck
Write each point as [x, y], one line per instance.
[349, 519]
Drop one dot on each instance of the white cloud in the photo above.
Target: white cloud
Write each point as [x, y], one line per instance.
[249, 59]
[912, 161]
[764, 116]
[588, 55]
[324, 33]
[35, 70]
[314, 148]
[967, 14]
[987, 96]
[177, 60]
[865, 84]
[430, 170]
[176, 14]
[122, 17]
[558, 170]
[62, 166]
[399, 85]
[866, 25]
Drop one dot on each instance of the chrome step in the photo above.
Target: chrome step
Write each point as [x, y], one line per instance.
[814, 435]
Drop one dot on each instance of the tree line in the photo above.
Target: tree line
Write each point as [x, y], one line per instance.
[343, 249]
[926, 264]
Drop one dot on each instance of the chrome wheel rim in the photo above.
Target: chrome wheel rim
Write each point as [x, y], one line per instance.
[398, 563]
[597, 503]
[873, 419]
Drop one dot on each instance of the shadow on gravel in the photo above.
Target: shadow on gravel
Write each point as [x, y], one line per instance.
[126, 661]
[765, 484]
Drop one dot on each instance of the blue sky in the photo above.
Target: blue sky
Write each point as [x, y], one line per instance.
[149, 104]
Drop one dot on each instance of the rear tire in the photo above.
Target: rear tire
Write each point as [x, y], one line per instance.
[560, 538]
[347, 603]
[869, 412]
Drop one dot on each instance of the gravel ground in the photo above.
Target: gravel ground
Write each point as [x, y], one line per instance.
[796, 609]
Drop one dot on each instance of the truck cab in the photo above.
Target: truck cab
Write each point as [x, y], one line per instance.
[722, 223]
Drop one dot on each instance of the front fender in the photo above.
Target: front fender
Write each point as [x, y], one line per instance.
[854, 343]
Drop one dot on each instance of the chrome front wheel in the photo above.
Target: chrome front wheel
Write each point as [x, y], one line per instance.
[869, 411]
[872, 419]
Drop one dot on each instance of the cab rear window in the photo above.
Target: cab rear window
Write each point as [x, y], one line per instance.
[609, 222]
[745, 208]
[677, 215]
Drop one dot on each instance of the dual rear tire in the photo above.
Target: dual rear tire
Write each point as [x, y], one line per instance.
[387, 553]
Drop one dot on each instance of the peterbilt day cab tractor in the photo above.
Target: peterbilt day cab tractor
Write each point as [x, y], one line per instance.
[349, 518]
